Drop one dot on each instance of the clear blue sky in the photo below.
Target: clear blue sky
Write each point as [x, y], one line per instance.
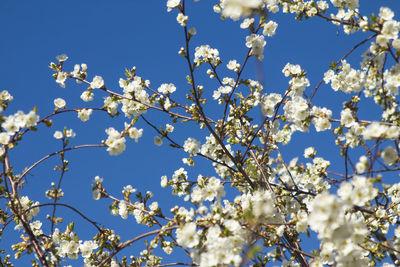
[110, 36]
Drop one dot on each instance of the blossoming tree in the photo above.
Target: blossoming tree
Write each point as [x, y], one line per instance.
[259, 207]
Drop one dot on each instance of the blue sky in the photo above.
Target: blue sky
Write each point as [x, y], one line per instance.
[110, 36]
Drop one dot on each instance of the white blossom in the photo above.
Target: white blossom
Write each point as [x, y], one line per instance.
[61, 78]
[187, 235]
[182, 19]
[4, 138]
[191, 146]
[115, 143]
[97, 82]
[84, 114]
[59, 103]
[270, 28]
[172, 4]
[87, 96]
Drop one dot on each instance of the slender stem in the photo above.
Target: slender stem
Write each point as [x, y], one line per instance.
[53, 154]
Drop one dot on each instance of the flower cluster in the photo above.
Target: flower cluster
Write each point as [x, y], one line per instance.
[268, 103]
[166, 88]
[338, 231]
[84, 114]
[191, 146]
[67, 246]
[256, 43]
[347, 79]
[205, 53]
[207, 189]
[115, 142]
[13, 123]
[135, 98]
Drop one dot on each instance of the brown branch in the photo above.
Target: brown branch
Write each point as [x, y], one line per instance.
[127, 243]
[69, 207]
[21, 217]
[202, 114]
[53, 154]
